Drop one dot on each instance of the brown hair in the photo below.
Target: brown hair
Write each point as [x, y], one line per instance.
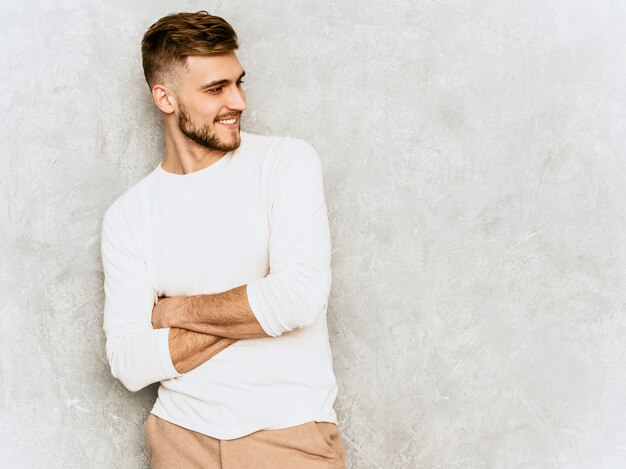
[167, 43]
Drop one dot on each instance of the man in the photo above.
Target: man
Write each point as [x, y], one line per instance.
[217, 272]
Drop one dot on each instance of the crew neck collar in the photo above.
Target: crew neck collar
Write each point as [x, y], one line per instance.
[212, 168]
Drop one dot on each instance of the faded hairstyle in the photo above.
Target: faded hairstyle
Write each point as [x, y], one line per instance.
[168, 42]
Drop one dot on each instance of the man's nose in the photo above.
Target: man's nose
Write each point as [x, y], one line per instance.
[237, 100]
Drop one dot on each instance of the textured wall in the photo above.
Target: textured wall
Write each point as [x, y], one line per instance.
[474, 169]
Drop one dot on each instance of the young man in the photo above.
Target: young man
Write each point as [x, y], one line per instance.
[217, 272]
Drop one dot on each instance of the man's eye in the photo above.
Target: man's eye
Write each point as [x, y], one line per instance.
[215, 90]
[240, 82]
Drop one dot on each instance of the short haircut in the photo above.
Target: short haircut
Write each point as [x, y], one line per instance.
[168, 42]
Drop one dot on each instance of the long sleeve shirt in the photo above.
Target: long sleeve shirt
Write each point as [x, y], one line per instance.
[258, 217]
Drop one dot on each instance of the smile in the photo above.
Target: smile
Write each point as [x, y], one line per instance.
[230, 123]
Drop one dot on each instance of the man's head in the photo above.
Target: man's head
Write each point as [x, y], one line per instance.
[193, 72]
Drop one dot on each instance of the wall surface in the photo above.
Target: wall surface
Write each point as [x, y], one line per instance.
[475, 170]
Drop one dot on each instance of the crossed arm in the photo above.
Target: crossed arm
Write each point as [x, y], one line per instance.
[147, 343]
[204, 325]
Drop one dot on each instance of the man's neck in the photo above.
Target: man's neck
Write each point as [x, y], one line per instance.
[183, 156]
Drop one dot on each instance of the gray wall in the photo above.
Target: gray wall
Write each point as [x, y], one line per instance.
[475, 177]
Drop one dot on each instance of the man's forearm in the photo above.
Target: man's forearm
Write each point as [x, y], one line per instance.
[190, 349]
[225, 314]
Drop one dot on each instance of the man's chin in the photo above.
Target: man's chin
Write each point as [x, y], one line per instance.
[233, 143]
[221, 144]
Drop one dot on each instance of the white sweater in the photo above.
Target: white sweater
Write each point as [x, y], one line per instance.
[257, 216]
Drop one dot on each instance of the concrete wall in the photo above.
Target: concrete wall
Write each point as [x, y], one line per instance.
[474, 157]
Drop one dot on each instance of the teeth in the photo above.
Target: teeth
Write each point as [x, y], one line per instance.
[228, 121]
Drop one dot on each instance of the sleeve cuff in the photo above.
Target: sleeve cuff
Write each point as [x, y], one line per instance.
[253, 300]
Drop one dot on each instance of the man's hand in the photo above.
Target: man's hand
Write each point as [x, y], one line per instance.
[168, 310]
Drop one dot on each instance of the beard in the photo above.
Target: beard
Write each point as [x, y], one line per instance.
[206, 135]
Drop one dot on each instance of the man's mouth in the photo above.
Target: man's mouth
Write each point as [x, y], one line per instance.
[231, 123]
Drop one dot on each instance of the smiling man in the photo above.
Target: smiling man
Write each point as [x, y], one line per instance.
[217, 272]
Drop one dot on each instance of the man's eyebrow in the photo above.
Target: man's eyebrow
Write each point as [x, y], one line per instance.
[221, 82]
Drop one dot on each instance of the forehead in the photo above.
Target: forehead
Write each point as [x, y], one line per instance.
[204, 69]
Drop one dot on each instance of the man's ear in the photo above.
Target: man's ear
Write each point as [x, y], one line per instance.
[164, 98]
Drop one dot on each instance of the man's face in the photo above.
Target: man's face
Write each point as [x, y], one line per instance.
[211, 101]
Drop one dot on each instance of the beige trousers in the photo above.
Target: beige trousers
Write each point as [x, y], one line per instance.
[311, 445]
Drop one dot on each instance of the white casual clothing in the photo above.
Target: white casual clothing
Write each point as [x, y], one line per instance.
[257, 216]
